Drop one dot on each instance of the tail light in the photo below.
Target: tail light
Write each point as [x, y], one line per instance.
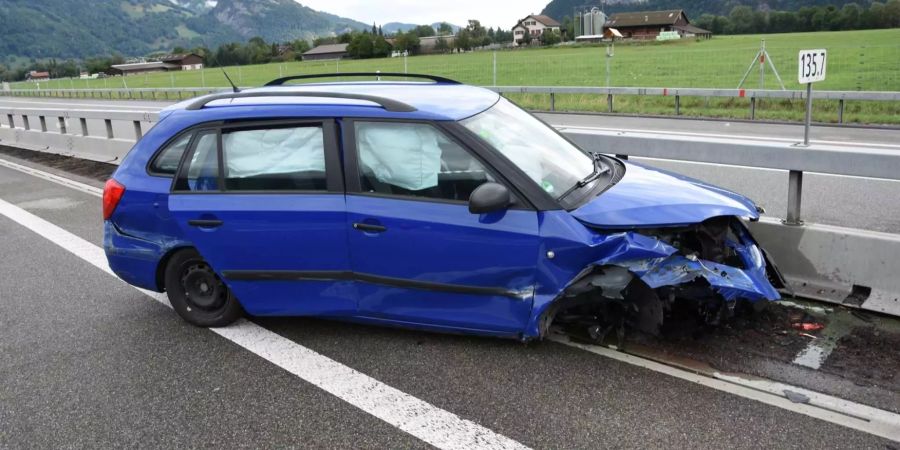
[112, 193]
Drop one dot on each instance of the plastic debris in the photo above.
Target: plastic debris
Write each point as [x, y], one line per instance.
[807, 326]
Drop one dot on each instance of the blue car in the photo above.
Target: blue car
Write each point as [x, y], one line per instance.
[426, 204]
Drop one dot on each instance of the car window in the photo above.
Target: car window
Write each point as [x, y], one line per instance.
[416, 160]
[284, 158]
[166, 162]
[202, 171]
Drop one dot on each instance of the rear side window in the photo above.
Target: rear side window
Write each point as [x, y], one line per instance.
[275, 159]
[166, 161]
[202, 168]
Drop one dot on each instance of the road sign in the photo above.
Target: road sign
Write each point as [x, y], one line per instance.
[811, 66]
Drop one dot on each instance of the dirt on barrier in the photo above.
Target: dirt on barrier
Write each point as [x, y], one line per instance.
[90, 169]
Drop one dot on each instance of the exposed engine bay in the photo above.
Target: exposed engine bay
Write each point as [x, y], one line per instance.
[708, 272]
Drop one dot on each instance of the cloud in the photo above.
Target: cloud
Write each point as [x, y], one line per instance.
[490, 13]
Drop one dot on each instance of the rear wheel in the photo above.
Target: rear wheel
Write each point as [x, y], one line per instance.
[197, 294]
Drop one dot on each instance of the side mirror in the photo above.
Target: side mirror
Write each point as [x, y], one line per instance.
[489, 197]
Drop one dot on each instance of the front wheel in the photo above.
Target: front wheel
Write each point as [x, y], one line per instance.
[197, 294]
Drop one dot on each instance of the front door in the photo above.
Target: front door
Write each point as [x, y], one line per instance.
[419, 255]
[264, 205]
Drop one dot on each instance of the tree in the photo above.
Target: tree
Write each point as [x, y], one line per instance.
[441, 46]
[300, 46]
[850, 15]
[423, 31]
[407, 42]
[463, 40]
[381, 48]
[445, 29]
[362, 46]
[740, 21]
[550, 37]
[568, 28]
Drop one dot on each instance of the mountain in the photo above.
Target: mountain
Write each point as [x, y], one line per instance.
[694, 8]
[76, 29]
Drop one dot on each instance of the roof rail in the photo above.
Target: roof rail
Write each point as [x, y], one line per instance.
[436, 79]
[386, 103]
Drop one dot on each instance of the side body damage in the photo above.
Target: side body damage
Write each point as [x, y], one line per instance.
[637, 277]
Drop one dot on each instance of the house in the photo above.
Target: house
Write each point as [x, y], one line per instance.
[327, 51]
[34, 75]
[167, 63]
[143, 67]
[186, 61]
[532, 27]
[428, 45]
[649, 24]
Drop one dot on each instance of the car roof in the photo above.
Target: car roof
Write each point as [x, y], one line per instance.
[438, 101]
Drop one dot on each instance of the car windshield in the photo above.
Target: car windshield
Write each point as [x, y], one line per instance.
[551, 161]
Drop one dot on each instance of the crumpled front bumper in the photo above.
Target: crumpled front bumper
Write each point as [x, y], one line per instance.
[659, 264]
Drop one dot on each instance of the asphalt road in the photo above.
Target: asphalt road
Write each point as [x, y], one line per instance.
[88, 361]
[834, 200]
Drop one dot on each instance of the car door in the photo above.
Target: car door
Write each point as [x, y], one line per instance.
[264, 205]
[418, 253]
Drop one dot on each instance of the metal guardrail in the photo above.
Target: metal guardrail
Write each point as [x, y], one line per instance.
[610, 92]
[816, 261]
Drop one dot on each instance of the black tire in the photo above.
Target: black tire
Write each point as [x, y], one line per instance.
[197, 294]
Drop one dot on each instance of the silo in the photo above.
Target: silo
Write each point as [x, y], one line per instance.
[598, 20]
[588, 23]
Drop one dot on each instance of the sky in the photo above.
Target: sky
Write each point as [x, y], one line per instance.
[503, 14]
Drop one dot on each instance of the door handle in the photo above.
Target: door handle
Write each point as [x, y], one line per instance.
[369, 228]
[205, 223]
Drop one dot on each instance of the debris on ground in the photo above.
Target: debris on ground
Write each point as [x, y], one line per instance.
[807, 326]
[868, 354]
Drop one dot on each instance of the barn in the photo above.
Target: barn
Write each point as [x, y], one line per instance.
[649, 24]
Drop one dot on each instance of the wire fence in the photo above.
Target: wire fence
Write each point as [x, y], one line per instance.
[857, 68]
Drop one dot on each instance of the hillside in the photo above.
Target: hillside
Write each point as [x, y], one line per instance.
[694, 8]
[70, 29]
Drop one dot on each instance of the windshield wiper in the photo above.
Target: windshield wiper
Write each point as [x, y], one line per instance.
[599, 170]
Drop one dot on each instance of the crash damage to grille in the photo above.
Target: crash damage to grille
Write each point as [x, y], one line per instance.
[710, 271]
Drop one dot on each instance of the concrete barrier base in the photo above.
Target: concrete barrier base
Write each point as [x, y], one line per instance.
[846, 266]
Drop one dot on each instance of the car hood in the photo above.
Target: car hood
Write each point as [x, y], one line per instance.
[648, 197]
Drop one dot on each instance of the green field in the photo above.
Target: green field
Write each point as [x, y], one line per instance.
[858, 60]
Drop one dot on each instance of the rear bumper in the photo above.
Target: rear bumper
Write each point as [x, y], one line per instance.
[133, 260]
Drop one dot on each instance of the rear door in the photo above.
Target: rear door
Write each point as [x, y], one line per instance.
[420, 256]
[264, 204]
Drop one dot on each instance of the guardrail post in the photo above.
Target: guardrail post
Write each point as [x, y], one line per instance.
[752, 108]
[609, 102]
[141, 93]
[795, 191]
[25, 122]
[109, 129]
[137, 130]
[552, 101]
[43, 121]
[677, 105]
[84, 128]
[841, 111]
[61, 123]
[12, 122]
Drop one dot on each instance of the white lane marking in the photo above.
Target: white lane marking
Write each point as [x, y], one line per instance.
[727, 136]
[99, 106]
[54, 178]
[820, 406]
[423, 420]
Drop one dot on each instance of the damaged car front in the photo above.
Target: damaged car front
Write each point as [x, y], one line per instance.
[632, 245]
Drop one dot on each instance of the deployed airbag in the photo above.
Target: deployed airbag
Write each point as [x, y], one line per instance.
[404, 155]
[279, 150]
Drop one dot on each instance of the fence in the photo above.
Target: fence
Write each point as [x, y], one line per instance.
[850, 67]
[607, 95]
[828, 263]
